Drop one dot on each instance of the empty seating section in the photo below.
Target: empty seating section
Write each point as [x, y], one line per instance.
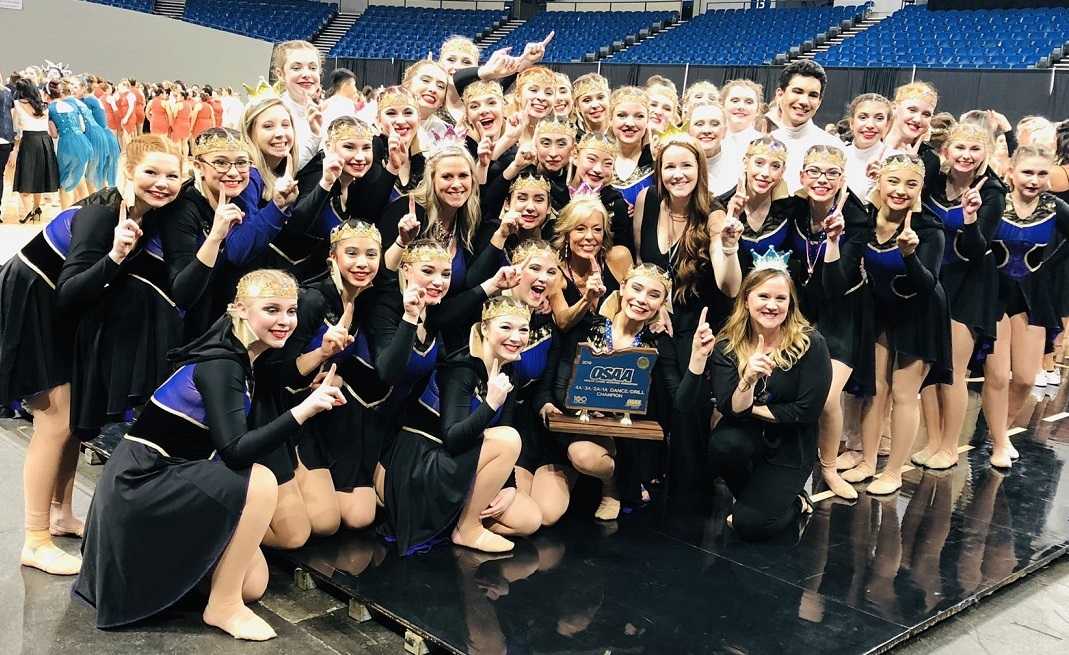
[272, 20]
[977, 38]
[410, 33]
[738, 37]
[581, 32]
[145, 6]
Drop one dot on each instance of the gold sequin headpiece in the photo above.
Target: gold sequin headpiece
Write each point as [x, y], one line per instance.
[482, 88]
[266, 283]
[346, 128]
[970, 133]
[600, 142]
[651, 271]
[629, 94]
[425, 250]
[355, 230]
[591, 84]
[397, 96]
[263, 91]
[499, 306]
[902, 162]
[220, 140]
[920, 90]
[767, 146]
[554, 126]
[530, 183]
[540, 74]
[825, 156]
[533, 248]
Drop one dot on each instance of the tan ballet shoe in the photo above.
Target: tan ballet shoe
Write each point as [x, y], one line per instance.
[240, 624]
[608, 509]
[884, 485]
[849, 459]
[859, 473]
[942, 461]
[1013, 452]
[486, 542]
[51, 559]
[921, 457]
[70, 527]
[836, 484]
[1001, 460]
[730, 520]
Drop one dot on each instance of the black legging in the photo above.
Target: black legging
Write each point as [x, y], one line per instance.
[5, 154]
[766, 494]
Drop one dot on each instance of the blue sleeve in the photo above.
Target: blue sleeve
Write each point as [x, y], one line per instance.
[248, 240]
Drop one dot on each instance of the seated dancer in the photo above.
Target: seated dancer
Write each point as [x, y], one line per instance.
[770, 377]
[448, 467]
[624, 321]
[182, 486]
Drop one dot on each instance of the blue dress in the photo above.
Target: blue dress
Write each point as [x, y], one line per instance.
[104, 166]
[74, 150]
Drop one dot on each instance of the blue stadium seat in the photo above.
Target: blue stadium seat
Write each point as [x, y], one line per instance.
[975, 38]
[271, 20]
[144, 6]
[410, 33]
[582, 32]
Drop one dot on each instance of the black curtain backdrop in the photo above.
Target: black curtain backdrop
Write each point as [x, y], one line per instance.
[1016, 93]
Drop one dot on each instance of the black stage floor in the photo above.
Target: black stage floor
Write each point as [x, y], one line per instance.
[860, 578]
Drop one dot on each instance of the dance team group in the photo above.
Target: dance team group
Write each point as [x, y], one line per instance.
[323, 323]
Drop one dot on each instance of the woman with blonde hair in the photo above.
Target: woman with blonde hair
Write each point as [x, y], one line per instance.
[298, 65]
[629, 110]
[591, 95]
[770, 376]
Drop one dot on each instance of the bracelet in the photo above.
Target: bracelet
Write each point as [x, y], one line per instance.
[397, 242]
[729, 251]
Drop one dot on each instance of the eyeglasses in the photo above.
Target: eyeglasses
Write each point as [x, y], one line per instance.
[814, 173]
[223, 166]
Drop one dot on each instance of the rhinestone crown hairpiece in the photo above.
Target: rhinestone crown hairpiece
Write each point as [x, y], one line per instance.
[768, 147]
[590, 84]
[554, 126]
[651, 271]
[902, 162]
[482, 88]
[505, 306]
[531, 183]
[218, 142]
[826, 155]
[397, 96]
[355, 230]
[424, 251]
[596, 141]
[533, 247]
[263, 91]
[448, 140]
[771, 259]
[266, 284]
[348, 128]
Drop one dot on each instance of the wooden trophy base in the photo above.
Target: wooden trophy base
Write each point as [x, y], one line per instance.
[607, 427]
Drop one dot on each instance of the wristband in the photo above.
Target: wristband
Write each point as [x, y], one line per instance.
[729, 251]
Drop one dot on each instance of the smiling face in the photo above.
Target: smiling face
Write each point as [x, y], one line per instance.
[594, 167]
[592, 107]
[357, 260]
[913, 117]
[538, 95]
[679, 171]
[1030, 176]
[453, 181]
[562, 103]
[532, 205]
[273, 132]
[763, 173]
[272, 320]
[157, 179]
[554, 151]
[629, 121]
[453, 59]
[768, 303]
[401, 120]
[964, 156]
[740, 105]
[432, 276]
[800, 100]
[708, 127]
[822, 180]
[537, 279]
[484, 113]
[663, 107]
[356, 156]
[301, 72]
[506, 337]
[869, 123]
[428, 85]
[586, 237]
[900, 188]
[233, 181]
[642, 297]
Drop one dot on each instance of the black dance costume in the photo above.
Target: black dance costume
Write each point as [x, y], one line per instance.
[765, 464]
[774, 232]
[968, 272]
[126, 319]
[534, 375]
[910, 306]
[173, 491]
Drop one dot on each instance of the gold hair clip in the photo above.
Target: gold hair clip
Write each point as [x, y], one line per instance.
[218, 143]
[825, 156]
[266, 284]
[591, 84]
[346, 128]
[902, 163]
[530, 183]
[482, 88]
[499, 306]
[653, 272]
[355, 230]
[597, 141]
[425, 251]
[554, 126]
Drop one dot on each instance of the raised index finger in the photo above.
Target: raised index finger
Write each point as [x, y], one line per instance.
[328, 379]
[222, 197]
[760, 344]
[495, 368]
[843, 193]
[411, 203]
[549, 37]
[701, 317]
[979, 184]
[909, 220]
[346, 319]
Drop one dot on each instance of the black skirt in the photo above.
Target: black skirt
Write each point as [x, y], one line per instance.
[35, 340]
[347, 441]
[36, 168]
[156, 527]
